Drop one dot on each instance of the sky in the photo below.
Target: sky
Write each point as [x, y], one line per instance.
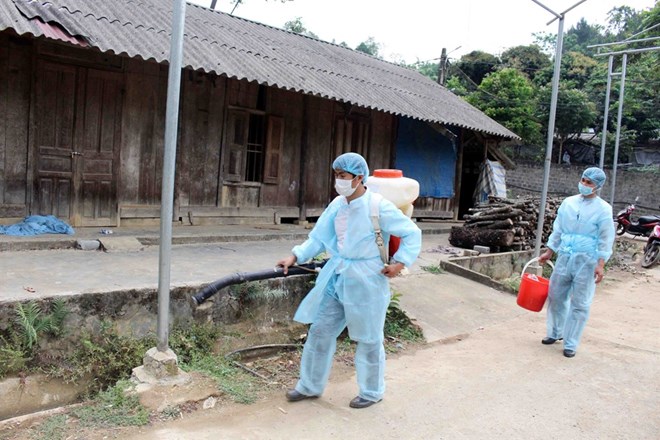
[417, 30]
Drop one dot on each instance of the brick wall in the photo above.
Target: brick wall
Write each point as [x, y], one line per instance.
[527, 179]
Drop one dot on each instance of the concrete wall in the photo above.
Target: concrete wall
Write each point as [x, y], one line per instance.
[527, 179]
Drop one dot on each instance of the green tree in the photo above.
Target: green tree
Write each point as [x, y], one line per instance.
[477, 64]
[582, 35]
[651, 18]
[456, 86]
[623, 21]
[545, 41]
[575, 112]
[526, 59]
[577, 68]
[297, 26]
[508, 97]
[342, 44]
[369, 47]
[427, 68]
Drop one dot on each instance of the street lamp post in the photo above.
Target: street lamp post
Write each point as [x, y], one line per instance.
[551, 120]
[169, 160]
[603, 136]
[160, 363]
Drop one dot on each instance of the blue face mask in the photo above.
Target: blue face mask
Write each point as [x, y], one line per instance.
[585, 190]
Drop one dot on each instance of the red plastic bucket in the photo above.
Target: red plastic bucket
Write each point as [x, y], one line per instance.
[533, 290]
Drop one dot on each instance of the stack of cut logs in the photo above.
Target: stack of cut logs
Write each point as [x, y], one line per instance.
[504, 225]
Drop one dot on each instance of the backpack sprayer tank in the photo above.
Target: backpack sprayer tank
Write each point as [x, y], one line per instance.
[401, 191]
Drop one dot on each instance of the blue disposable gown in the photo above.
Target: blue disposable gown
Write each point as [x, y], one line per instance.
[359, 286]
[583, 226]
[583, 233]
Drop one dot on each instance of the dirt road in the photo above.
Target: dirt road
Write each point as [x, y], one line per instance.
[497, 382]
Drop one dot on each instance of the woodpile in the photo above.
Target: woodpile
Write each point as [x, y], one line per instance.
[504, 224]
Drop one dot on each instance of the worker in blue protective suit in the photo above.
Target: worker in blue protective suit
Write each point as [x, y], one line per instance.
[352, 289]
[582, 237]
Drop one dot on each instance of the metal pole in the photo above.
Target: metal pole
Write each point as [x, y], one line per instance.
[169, 160]
[645, 49]
[626, 41]
[618, 126]
[603, 135]
[547, 8]
[551, 135]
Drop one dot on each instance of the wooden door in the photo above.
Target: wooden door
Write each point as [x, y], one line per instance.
[77, 121]
[95, 189]
[54, 120]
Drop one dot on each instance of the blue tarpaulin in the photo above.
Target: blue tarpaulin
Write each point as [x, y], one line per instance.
[492, 182]
[428, 157]
[36, 225]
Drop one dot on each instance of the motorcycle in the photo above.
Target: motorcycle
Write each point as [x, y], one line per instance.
[642, 226]
[652, 248]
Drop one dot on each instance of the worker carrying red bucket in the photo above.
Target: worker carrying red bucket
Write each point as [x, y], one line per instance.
[582, 237]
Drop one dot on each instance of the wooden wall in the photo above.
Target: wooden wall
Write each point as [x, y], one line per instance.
[202, 190]
[143, 131]
[15, 79]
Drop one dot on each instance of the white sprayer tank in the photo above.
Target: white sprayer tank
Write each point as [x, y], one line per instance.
[401, 191]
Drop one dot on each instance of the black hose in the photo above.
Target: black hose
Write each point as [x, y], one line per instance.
[242, 277]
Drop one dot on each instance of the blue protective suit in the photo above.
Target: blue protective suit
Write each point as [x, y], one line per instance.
[350, 290]
[583, 233]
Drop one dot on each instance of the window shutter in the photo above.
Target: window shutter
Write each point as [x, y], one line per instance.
[274, 146]
[237, 137]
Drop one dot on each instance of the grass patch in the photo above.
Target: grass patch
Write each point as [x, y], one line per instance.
[512, 283]
[53, 428]
[434, 269]
[193, 341]
[32, 321]
[398, 325]
[116, 406]
[171, 412]
[240, 386]
[106, 356]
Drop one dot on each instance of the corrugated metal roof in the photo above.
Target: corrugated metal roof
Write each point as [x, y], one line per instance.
[242, 49]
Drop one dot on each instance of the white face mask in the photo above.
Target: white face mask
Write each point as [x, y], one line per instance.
[344, 187]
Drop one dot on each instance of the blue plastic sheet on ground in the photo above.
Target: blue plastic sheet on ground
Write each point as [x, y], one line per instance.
[36, 225]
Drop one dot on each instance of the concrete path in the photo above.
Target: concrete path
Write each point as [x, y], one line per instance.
[204, 255]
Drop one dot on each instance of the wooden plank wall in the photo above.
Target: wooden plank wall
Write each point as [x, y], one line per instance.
[308, 121]
[143, 131]
[198, 155]
[15, 80]
[383, 135]
[285, 192]
[318, 190]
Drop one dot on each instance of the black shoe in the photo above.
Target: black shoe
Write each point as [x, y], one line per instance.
[359, 402]
[549, 340]
[569, 353]
[295, 396]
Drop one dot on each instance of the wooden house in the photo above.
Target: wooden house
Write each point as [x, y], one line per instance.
[263, 113]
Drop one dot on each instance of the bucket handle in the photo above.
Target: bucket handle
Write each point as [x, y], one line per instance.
[533, 260]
